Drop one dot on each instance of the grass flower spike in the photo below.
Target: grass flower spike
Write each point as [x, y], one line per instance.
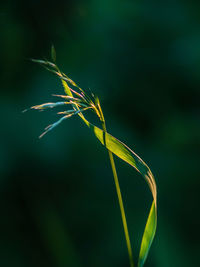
[79, 102]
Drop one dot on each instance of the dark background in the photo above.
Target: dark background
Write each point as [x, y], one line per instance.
[58, 205]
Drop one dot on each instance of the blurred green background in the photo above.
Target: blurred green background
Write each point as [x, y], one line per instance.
[58, 204]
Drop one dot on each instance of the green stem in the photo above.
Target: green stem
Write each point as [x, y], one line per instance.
[123, 215]
[119, 195]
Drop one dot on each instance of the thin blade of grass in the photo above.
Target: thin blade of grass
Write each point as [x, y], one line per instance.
[148, 236]
[126, 154]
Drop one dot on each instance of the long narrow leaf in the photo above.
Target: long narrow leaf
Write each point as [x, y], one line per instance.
[148, 235]
[126, 154]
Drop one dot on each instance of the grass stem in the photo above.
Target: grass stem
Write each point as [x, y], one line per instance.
[119, 195]
[121, 205]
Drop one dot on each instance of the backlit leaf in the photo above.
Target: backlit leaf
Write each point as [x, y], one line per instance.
[127, 155]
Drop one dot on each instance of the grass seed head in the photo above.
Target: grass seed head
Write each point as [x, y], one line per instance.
[75, 96]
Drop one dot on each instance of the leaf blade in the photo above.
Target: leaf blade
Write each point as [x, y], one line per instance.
[126, 154]
[148, 236]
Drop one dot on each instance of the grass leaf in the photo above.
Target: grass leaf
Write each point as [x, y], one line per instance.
[126, 154]
[148, 235]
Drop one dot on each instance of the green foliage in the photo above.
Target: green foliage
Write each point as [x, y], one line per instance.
[82, 102]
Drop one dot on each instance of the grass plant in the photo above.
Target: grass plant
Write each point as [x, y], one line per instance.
[80, 102]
